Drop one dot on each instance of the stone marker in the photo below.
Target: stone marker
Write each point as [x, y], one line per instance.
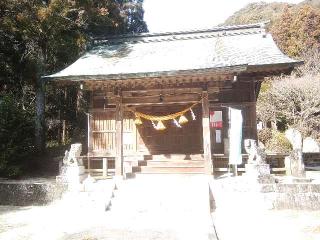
[294, 162]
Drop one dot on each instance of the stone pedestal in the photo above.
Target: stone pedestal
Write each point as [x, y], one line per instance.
[72, 171]
[71, 174]
[259, 172]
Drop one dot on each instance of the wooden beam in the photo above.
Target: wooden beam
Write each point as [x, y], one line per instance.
[229, 104]
[208, 166]
[119, 137]
[165, 99]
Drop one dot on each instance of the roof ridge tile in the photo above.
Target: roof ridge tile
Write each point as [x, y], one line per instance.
[223, 30]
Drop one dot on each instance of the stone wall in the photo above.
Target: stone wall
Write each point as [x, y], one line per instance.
[24, 193]
[239, 192]
[302, 196]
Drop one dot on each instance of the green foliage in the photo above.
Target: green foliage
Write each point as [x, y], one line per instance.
[278, 143]
[41, 37]
[265, 86]
[264, 135]
[16, 136]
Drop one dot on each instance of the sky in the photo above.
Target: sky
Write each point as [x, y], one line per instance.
[177, 15]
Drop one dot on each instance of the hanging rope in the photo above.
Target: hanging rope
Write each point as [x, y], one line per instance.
[165, 117]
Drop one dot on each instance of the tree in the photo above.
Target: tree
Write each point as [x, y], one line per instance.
[297, 30]
[16, 131]
[258, 12]
[294, 101]
[41, 37]
[38, 35]
[133, 12]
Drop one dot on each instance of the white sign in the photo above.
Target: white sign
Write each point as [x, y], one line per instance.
[218, 136]
[235, 156]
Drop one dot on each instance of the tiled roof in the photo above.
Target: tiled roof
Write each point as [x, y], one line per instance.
[150, 54]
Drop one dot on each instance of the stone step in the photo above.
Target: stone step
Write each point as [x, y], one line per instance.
[162, 196]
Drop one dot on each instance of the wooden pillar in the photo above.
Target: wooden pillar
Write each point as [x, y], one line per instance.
[254, 120]
[254, 112]
[119, 137]
[90, 134]
[89, 141]
[104, 167]
[208, 166]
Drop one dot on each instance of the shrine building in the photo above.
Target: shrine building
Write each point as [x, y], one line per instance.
[167, 96]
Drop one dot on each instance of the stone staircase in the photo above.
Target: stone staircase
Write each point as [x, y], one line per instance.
[95, 196]
[164, 203]
[168, 164]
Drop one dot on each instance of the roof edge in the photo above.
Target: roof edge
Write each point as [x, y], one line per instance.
[115, 77]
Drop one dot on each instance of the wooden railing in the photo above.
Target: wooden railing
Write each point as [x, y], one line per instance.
[276, 162]
[103, 164]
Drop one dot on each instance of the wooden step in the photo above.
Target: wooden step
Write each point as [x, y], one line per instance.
[174, 157]
[176, 163]
[173, 169]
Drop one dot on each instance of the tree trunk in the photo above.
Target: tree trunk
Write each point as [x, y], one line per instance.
[79, 99]
[40, 118]
[64, 131]
[64, 122]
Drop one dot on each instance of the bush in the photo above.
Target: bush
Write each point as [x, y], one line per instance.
[16, 136]
[278, 143]
[264, 135]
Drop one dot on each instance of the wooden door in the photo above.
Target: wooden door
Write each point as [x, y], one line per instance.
[103, 133]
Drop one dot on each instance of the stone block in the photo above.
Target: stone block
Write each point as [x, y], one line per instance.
[266, 188]
[315, 188]
[20, 193]
[255, 170]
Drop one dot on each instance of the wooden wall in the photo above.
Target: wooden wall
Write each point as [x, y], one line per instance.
[187, 139]
[145, 139]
